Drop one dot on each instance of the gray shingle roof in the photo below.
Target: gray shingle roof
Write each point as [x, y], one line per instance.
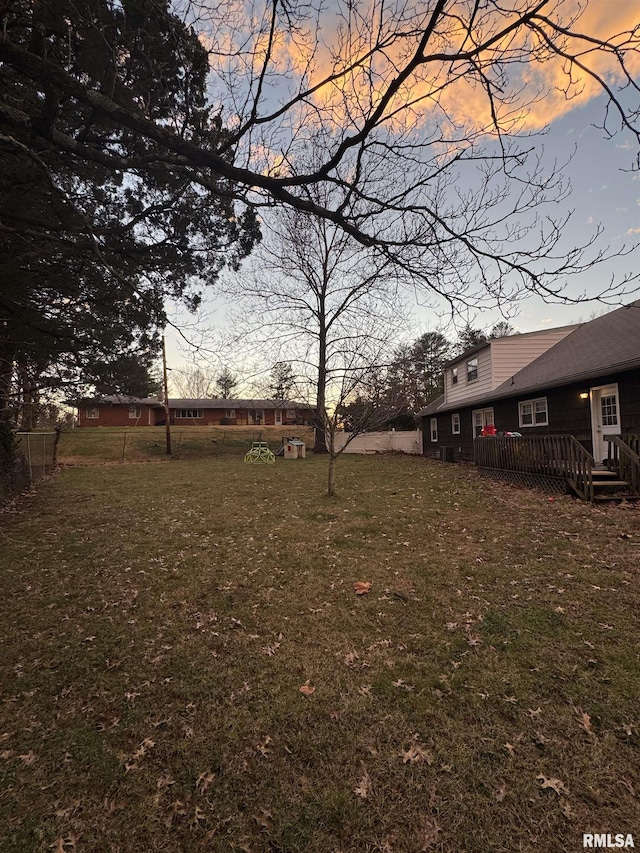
[235, 404]
[608, 344]
[197, 403]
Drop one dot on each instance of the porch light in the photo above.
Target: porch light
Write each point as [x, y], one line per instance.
[584, 395]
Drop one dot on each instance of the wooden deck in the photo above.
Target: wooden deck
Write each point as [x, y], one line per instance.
[561, 463]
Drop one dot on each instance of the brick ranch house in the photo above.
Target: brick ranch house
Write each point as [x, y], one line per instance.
[581, 380]
[121, 411]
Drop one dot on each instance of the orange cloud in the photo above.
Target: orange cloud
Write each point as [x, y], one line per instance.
[438, 93]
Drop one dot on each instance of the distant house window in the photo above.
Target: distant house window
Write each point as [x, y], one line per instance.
[291, 414]
[472, 369]
[230, 413]
[256, 416]
[434, 429]
[533, 412]
[454, 375]
[189, 413]
[455, 423]
[134, 412]
[92, 413]
[481, 419]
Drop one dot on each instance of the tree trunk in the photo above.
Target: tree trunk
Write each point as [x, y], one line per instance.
[331, 482]
[6, 381]
[320, 445]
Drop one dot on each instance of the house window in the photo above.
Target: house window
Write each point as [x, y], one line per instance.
[291, 414]
[609, 408]
[455, 423]
[472, 369]
[533, 412]
[189, 413]
[481, 419]
[134, 412]
[92, 413]
[256, 416]
[230, 413]
[454, 375]
[434, 429]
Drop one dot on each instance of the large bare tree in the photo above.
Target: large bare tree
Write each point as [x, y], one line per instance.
[424, 107]
[320, 301]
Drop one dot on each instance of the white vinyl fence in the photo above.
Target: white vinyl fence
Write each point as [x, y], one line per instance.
[382, 442]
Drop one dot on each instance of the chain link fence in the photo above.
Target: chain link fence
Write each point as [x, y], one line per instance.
[32, 457]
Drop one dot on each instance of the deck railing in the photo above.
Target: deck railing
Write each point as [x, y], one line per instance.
[558, 456]
[624, 457]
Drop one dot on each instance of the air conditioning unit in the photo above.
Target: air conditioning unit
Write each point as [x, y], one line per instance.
[448, 454]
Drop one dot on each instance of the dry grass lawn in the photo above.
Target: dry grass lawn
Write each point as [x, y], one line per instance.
[158, 622]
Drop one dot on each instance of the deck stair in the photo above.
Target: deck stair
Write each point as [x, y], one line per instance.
[607, 486]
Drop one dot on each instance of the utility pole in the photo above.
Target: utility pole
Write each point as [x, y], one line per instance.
[167, 414]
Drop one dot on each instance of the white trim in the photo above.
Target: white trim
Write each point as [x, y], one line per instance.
[455, 421]
[598, 430]
[433, 429]
[471, 361]
[230, 413]
[134, 413]
[256, 417]
[188, 414]
[534, 411]
[477, 423]
[93, 413]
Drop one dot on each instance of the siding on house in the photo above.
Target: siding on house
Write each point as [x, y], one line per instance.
[464, 390]
[567, 414]
[510, 354]
[116, 414]
[498, 361]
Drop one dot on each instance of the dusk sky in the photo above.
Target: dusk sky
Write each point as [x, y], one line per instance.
[603, 193]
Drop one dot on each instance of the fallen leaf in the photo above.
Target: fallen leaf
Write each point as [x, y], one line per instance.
[263, 819]
[416, 753]
[628, 785]
[362, 587]
[556, 785]
[584, 720]
[307, 689]
[205, 780]
[178, 809]
[430, 836]
[113, 805]
[362, 788]
[264, 748]
[29, 758]
[501, 791]
[566, 809]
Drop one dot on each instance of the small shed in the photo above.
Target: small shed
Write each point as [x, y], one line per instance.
[294, 448]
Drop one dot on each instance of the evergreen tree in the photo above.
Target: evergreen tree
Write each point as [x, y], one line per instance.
[89, 253]
[282, 381]
[227, 383]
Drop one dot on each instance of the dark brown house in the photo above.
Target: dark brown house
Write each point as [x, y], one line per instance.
[579, 380]
[120, 411]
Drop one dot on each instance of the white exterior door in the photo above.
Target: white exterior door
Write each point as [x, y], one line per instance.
[278, 420]
[605, 418]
